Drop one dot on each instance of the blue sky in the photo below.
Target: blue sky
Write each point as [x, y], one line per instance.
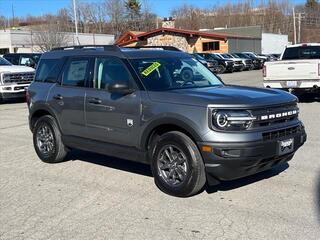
[38, 7]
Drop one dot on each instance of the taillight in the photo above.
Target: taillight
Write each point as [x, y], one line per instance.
[319, 69]
[264, 71]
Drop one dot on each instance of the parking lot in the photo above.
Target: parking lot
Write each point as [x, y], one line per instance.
[97, 197]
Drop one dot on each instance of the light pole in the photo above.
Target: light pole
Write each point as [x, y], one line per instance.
[76, 20]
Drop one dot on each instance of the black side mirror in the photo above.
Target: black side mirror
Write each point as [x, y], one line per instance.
[120, 88]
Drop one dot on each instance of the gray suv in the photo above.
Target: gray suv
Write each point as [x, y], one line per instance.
[159, 107]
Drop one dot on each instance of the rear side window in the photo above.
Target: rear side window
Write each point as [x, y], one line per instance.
[48, 70]
[309, 52]
[76, 72]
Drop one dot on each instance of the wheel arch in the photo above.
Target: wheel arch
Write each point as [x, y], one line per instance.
[163, 125]
[38, 113]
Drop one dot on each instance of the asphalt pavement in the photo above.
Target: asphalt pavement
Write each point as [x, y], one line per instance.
[97, 197]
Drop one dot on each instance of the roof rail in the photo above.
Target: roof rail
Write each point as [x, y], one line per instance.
[105, 47]
[170, 48]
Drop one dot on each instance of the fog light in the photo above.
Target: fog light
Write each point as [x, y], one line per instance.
[6, 88]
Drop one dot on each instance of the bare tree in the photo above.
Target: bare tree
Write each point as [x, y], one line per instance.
[115, 10]
[48, 37]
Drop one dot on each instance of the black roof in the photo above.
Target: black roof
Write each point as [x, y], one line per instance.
[113, 50]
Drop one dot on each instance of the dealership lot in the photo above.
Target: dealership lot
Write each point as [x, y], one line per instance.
[98, 197]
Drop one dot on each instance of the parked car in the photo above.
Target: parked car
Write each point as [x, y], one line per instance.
[211, 64]
[14, 80]
[223, 64]
[131, 104]
[24, 59]
[269, 57]
[257, 63]
[297, 70]
[237, 64]
[247, 63]
[259, 56]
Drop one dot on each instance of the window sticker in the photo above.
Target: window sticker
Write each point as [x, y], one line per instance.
[150, 69]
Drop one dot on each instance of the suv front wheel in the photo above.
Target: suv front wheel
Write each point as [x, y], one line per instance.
[177, 165]
[47, 140]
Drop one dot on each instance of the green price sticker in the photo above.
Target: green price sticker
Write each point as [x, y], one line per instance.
[150, 69]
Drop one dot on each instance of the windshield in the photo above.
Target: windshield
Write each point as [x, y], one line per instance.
[309, 52]
[161, 74]
[4, 62]
[226, 56]
[199, 57]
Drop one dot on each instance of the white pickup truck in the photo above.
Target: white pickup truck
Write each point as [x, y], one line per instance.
[14, 80]
[297, 70]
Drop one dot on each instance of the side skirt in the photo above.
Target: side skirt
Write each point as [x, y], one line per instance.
[114, 150]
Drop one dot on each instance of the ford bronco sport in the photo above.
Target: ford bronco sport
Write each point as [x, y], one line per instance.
[139, 105]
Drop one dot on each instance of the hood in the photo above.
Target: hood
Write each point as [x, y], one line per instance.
[225, 96]
[15, 69]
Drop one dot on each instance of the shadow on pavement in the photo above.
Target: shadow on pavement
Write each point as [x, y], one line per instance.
[308, 97]
[13, 101]
[229, 185]
[111, 162]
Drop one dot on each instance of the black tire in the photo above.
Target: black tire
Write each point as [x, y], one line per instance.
[52, 149]
[221, 69]
[194, 176]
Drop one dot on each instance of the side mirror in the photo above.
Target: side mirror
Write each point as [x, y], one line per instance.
[120, 88]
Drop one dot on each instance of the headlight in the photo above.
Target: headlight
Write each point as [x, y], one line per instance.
[231, 120]
[210, 64]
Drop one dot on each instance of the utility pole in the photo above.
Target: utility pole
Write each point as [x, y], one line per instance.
[294, 26]
[299, 28]
[12, 15]
[76, 20]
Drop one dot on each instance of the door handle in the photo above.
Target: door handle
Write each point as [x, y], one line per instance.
[95, 101]
[58, 97]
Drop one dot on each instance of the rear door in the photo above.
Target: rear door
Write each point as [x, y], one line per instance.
[111, 117]
[67, 97]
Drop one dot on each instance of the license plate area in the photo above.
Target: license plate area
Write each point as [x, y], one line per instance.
[292, 84]
[285, 146]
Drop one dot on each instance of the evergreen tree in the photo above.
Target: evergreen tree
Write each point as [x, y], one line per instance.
[313, 4]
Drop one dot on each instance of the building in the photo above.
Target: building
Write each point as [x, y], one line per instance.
[15, 41]
[190, 41]
[270, 42]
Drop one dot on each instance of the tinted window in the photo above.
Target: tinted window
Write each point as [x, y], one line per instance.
[109, 70]
[4, 62]
[309, 52]
[48, 70]
[75, 73]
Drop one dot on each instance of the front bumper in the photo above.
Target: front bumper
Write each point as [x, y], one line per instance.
[228, 161]
[13, 91]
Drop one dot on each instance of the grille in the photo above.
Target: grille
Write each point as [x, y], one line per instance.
[18, 78]
[282, 133]
[248, 61]
[275, 115]
[238, 62]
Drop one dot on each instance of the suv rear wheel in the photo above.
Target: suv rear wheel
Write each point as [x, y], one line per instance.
[177, 165]
[47, 140]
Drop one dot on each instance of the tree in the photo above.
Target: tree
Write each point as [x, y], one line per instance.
[115, 10]
[133, 8]
[312, 4]
[48, 37]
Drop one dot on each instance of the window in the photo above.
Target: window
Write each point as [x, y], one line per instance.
[75, 73]
[210, 46]
[308, 52]
[162, 74]
[109, 70]
[48, 70]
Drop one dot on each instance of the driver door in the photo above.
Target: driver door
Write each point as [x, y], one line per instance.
[111, 117]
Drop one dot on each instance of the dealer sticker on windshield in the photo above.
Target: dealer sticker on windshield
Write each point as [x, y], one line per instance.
[150, 69]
